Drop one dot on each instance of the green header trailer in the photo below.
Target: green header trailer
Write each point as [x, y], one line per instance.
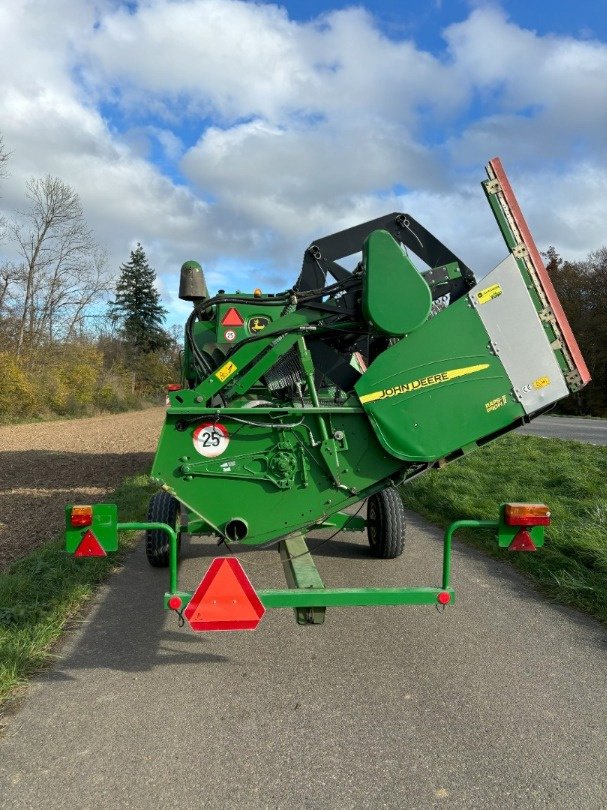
[294, 407]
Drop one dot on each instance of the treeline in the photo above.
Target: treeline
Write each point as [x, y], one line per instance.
[582, 289]
[63, 350]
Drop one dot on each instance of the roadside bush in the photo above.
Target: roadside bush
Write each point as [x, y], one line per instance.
[155, 371]
[68, 375]
[80, 379]
[18, 395]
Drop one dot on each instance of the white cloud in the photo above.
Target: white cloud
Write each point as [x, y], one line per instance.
[298, 129]
[547, 93]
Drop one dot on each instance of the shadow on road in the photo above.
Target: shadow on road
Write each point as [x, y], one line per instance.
[129, 629]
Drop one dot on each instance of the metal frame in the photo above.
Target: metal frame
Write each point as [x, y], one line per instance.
[519, 240]
[306, 593]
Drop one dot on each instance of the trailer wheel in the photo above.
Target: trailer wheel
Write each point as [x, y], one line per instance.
[163, 508]
[386, 524]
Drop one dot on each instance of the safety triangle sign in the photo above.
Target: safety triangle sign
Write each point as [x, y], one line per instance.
[522, 542]
[225, 599]
[89, 546]
[232, 318]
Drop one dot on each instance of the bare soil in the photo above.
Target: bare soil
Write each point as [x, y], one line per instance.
[45, 465]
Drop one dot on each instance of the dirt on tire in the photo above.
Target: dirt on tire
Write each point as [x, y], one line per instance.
[45, 465]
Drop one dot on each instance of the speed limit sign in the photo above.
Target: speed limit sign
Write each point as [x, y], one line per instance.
[211, 439]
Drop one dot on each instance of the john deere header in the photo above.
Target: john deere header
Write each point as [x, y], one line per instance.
[351, 382]
[296, 405]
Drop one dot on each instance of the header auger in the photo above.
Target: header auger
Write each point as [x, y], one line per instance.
[295, 406]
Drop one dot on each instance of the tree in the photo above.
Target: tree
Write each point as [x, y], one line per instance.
[582, 290]
[62, 270]
[3, 159]
[136, 307]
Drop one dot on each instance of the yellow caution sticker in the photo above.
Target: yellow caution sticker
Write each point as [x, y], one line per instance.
[488, 294]
[225, 371]
[495, 404]
[541, 382]
[422, 382]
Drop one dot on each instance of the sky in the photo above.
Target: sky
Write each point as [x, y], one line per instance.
[235, 132]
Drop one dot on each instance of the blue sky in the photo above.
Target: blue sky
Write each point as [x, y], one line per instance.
[235, 132]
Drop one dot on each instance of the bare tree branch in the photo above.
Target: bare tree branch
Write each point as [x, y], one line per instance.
[63, 268]
[4, 156]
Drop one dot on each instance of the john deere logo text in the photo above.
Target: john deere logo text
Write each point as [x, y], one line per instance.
[422, 382]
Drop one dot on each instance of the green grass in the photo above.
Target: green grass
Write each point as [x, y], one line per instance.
[570, 477]
[41, 592]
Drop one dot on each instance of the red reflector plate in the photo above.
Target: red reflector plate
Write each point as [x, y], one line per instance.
[522, 542]
[232, 318]
[225, 599]
[90, 546]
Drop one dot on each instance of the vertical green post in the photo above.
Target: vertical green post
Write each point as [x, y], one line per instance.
[163, 527]
[450, 531]
[308, 367]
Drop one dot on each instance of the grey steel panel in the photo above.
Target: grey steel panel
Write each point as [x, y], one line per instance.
[518, 337]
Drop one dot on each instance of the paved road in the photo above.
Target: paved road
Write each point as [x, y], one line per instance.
[498, 702]
[593, 431]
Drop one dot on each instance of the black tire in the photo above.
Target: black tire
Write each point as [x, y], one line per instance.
[386, 524]
[163, 508]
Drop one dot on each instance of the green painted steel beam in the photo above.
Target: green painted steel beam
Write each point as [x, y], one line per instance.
[198, 526]
[262, 366]
[170, 531]
[351, 597]
[342, 520]
[341, 597]
[306, 410]
[301, 573]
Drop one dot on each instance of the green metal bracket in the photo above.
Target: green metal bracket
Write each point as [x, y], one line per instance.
[302, 574]
[342, 520]
[163, 527]
[307, 594]
[309, 598]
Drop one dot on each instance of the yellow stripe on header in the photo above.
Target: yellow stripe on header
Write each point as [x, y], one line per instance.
[422, 382]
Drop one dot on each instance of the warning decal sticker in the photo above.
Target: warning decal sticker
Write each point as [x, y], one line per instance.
[211, 439]
[232, 318]
[225, 371]
[495, 404]
[488, 294]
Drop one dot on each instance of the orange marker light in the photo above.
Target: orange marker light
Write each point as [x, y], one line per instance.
[526, 514]
[257, 292]
[81, 516]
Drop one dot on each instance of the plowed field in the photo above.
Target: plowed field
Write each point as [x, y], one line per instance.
[45, 465]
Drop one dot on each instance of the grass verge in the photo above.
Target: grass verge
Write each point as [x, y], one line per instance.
[41, 592]
[568, 476]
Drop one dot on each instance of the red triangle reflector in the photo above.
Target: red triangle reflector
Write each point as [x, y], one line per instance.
[225, 599]
[522, 542]
[232, 318]
[89, 546]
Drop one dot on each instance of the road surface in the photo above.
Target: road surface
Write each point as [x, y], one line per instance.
[498, 702]
[593, 431]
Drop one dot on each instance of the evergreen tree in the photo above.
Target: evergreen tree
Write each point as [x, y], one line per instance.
[137, 306]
